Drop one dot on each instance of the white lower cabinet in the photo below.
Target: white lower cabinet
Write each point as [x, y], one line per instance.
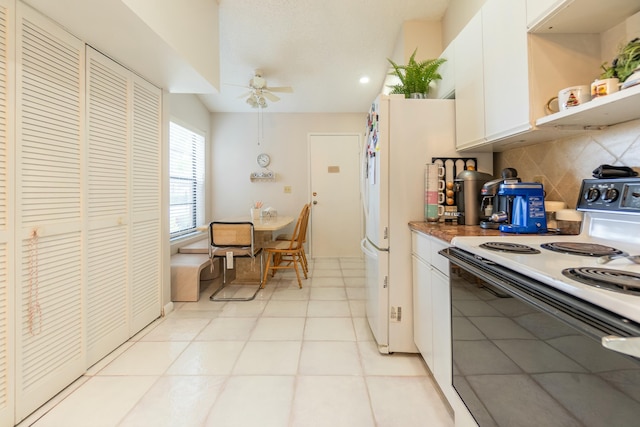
[432, 308]
[422, 309]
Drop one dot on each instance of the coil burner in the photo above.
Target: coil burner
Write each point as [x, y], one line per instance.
[509, 247]
[604, 278]
[585, 249]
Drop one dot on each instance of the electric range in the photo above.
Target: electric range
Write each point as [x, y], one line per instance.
[610, 230]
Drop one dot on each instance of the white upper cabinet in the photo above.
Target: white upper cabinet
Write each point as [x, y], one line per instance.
[491, 75]
[578, 16]
[445, 87]
[513, 57]
[469, 82]
[506, 75]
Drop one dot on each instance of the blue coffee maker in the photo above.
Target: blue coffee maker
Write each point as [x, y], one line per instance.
[525, 207]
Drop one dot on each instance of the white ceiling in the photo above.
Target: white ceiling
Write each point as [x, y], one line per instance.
[320, 48]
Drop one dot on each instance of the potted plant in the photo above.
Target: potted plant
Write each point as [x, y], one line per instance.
[415, 77]
[624, 64]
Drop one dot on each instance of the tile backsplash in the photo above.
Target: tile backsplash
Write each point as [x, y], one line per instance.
[562, 164]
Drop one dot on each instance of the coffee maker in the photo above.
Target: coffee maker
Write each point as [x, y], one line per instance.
[525, 207]
[467, 186]
[493, 208]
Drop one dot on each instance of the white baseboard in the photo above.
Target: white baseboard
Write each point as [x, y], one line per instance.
[168, 308]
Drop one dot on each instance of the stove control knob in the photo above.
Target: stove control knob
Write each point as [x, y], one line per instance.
[611, 195]
[591, 195]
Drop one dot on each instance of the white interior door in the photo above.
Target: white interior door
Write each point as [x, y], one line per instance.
[336, 213]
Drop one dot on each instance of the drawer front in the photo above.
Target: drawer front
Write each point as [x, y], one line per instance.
[421, 246]
[437, 260]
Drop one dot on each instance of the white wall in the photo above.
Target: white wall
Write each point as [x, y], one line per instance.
[235, 147]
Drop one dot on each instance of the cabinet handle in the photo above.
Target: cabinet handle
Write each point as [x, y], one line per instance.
[629, 346]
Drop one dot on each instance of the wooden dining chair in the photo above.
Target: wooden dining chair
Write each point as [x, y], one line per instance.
[305, 212]
[237, 238]
[289, 254]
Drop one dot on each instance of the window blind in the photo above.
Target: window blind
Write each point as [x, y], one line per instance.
[187, 174]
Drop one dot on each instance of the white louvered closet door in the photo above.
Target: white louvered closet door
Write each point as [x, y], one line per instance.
[7, 100]
[146, 228]
[108, 165]
[49, 116]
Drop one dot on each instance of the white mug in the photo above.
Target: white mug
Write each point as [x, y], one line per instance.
[573, 96]
[604, 87]
[434, 171]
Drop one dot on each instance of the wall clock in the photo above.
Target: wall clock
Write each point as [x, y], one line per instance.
[263, 160]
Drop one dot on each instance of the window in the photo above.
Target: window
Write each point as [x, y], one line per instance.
[186, 175]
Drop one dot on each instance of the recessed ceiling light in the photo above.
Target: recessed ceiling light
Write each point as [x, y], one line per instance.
[364, 79]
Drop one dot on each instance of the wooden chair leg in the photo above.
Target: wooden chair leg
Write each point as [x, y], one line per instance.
[266, 270]
[295, 267]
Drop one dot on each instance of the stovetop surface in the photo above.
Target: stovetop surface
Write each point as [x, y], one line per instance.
[611, 218]
[547, 266]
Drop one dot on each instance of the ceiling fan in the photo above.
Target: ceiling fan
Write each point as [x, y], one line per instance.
[259, 92]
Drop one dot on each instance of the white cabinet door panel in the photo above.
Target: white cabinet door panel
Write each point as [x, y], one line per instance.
[469, 80]
[422, 312]
[7, 252]
[108, 121]
[50, 109]
[506, 75]
[146, 225]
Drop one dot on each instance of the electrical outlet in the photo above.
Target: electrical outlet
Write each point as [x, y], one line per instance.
[287, 189]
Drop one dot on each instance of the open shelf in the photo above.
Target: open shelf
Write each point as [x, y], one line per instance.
[619, 107]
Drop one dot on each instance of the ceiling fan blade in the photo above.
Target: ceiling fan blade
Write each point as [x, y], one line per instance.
[271, 97]
[244, 95]
[233, 84]
[287, 89]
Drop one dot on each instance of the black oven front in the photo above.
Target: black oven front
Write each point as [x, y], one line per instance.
[526, 354]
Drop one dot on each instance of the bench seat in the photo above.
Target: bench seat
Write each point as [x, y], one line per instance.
[185, 275]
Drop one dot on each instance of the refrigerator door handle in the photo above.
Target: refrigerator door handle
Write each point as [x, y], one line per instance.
[628, 346]
[365, 250]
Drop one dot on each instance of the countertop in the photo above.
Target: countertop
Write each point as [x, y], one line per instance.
[447, 231]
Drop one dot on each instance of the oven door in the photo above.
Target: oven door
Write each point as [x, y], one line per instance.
[525, 354]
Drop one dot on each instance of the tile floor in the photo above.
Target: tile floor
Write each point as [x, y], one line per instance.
[292, 357]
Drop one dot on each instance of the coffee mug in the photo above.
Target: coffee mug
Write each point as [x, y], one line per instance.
[434, 197]
[434, 184]
[434, 171]
[573, 96]
[604, 87]
[433, 213]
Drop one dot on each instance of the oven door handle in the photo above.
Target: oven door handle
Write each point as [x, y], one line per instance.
[628, 346]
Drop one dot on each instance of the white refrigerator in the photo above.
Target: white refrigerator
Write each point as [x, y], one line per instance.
[402, 136]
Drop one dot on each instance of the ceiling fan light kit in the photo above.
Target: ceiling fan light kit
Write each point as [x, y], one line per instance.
[260, 92]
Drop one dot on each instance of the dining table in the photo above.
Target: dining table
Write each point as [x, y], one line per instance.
[246, 270]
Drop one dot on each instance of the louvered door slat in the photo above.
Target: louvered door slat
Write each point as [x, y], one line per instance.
[7, 219]
[49, 117]
[108, 123]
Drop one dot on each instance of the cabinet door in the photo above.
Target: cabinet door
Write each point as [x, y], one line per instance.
[146, 210]
[442, 369]
[422, 311]
[445, 87]
[7, 313]
[506, 77]
[108, 121]
[469, 83]
[49, 288]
